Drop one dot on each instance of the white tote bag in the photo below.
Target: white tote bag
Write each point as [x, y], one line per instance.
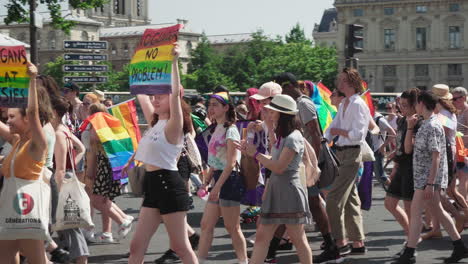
[73, 208]
[24, 208]
[366, 152]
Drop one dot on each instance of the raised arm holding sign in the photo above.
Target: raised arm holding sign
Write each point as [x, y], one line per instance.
[151, 65]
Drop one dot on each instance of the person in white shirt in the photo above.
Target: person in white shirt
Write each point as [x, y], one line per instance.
[351, 125]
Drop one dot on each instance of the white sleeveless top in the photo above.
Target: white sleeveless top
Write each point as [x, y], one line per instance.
[154, 149]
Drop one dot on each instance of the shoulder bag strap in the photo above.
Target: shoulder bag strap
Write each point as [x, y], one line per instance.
[70, 152]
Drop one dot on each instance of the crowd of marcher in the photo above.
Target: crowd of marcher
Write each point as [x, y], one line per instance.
[214, 148]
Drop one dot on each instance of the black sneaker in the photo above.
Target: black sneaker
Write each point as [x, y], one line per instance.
[405, 259]
[59, 255]
[168, 257]
[331, 255]
[458, 253]
[344, 250]
[194, 240]
[358, 251]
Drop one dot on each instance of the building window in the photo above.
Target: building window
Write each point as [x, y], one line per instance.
[389, 71]
[51, 38]
[84, 36]
[113, 49]
[125, 48]
[388, 11]
[454, 69]
[358, 12]
[362, 71]
[119, 7]
[454, 37]
[421, 38]
[189, 46]
[389, 39]
[139, 7]
[454, 7]
[360, 43]
[421, 70]
[389, 89]
[421, 9]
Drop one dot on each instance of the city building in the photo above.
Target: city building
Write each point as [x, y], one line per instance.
[407, 43]
[325, 33]
[221, 43]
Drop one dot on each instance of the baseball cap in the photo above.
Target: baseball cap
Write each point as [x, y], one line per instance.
[267, 90]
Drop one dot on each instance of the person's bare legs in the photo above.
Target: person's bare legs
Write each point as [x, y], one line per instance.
[262, 241]
[148, 223]
[9, 251]
[176, 226]
[33, 250]
[207, 225]
[299, 239]
[231, 217]
[391, 204]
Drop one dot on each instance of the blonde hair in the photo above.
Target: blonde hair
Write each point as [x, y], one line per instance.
[94, 99]
[96, 108]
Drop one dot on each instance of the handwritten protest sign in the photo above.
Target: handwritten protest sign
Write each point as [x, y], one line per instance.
[151, 66]
[14, 78]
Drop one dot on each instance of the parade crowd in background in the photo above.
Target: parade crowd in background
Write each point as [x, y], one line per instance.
[296, 154]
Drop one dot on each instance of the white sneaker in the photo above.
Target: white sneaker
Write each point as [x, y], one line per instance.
[89, 235]
[309, 228]
[251, 239]
[130, 218]
[125, 229]
[106, 238]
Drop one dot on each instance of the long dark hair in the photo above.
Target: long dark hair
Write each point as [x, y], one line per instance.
[286, 125]
[186, 111]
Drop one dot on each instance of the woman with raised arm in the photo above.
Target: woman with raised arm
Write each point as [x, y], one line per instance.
[165, 193]
[29, 154]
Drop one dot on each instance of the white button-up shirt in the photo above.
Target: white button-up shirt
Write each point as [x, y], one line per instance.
[355, 120]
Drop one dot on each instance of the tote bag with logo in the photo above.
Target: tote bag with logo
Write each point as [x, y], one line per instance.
[24, 207]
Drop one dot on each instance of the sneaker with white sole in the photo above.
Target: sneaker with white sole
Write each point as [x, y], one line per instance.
[130, 218]
[89, 235]
[124, 229]
[105, 238]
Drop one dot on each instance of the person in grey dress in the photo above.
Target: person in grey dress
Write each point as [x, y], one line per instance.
[430, 179]
[285, 198]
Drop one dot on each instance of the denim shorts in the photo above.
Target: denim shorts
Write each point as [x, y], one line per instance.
[232, 190]
[165, 190]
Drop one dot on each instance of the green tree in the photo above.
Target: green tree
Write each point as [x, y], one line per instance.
[296, 35]
[201, 55]
[117, 81]
[206, 78]
[19, 13]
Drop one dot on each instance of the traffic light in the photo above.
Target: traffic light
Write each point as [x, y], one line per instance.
[353, 38]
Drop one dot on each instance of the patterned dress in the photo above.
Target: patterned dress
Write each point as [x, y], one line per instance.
[104, 184]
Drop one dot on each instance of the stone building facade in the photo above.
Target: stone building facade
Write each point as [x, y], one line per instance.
[89, 26]
[407, 43]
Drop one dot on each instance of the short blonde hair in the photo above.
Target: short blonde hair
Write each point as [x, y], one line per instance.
[94, 99]
[96, 108]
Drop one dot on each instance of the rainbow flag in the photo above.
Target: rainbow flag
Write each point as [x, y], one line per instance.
[14, 77]
[127, 114]
[114, 138]
[325, 110]
[367, 97]
[151, 66]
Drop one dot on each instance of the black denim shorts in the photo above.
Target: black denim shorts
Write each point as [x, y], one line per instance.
[166, 191]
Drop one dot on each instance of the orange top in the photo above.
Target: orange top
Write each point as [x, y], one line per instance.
[26, 167]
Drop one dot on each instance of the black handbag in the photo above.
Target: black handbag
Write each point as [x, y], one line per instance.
[328, 163]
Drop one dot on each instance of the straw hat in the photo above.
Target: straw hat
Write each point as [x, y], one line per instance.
[284, 104]
[442, 91]
[100, 95]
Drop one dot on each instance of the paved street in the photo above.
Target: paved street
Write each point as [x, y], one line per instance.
[384, 238]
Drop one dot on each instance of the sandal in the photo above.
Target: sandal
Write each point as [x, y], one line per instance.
[287, 245]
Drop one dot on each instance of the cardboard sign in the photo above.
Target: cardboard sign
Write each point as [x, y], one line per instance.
[151, 65]
[14, 78]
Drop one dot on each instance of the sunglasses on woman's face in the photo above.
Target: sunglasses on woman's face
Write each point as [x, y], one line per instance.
[456, 98]
[66, 90]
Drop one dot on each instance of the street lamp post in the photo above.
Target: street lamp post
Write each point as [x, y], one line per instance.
[32, 32]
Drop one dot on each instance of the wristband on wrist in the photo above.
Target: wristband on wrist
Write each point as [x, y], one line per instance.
[255, 156]
[430, 184]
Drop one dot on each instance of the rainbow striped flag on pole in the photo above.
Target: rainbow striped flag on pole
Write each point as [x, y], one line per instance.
[127, 114]
[325, 110]
[367, 97]
[114, 138]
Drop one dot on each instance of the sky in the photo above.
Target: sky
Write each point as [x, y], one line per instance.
[220, 17]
